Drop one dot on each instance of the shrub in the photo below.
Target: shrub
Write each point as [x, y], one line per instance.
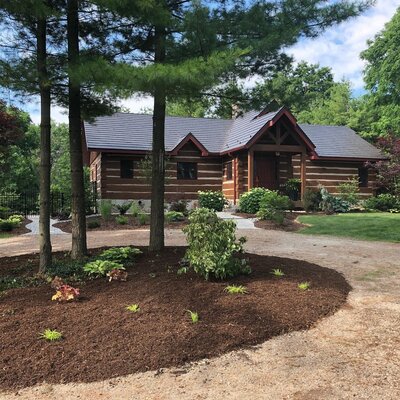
[212, 200]
[105, 208]
[93, 224]
[121, 220]
[17, 218]
[383, 202]
[124, 207]
[174, 216]
[120, 255]
[6, 225]
[101, 267]
[4, 211]
[350, 190]
[212, 246]
[179, 206]
[293, 188]
[142, 218]
[135, 209]
[249, 202]
[50, 335]
[331, 204]
[311, 200]
[273, 207]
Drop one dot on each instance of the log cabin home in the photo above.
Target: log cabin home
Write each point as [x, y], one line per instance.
[256, 149]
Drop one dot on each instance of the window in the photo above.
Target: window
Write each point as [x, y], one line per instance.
[363, 176]
[126, 169]
[186, 170]
[228, 171]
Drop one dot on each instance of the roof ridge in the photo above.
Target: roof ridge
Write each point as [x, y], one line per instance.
[170, 116]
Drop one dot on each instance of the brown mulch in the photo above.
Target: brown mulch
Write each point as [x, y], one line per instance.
[290, 224]
[112, 225]
[101, 339]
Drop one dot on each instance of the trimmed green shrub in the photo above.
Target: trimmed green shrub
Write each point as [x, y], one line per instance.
[93, 224]
[6, 225]
[174, 216]
[212, 246]
[105, 209]
[383, 202]
[4, 211]
[212, 200]
[273, 207]
[331, 204]
[17, 218]
[311, 200]
[121, 220]
[249, 202]
[123, 208]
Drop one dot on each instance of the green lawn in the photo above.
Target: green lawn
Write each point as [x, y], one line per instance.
[366, 226]
[4, 235]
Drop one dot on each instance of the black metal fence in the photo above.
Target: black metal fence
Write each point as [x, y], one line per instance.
[28, 203]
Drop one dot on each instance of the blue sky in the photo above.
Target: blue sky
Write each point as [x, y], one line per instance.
[338, 48]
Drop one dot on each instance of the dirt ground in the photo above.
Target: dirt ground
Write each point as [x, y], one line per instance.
[354, 354]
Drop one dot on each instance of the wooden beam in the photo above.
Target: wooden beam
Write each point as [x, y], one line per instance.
[280, 148]
[250, 169]
[303, 175]
[234, 161]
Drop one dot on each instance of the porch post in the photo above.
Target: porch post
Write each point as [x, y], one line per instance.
[250, 169]
[303, 175]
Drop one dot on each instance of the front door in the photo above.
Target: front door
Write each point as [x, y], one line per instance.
[265, 171]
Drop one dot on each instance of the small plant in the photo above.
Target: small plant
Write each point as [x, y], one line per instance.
[142, 218]
[331, 204]
[212, 200]
[135, 210]
[350, 191]
[293, 188]
[51, 335]
[106, 209]
[133, 308]
[93, 224]
[101, 267]
[249, 202]
[120, 255]
[121, 220]
[123, 208]
[66, 293]
[277, 272]
[179, 206]
[182, 270]
[194, 316]
[236, 289]
[312, 199]
[174, 216]
[304, 286]
[117, 275]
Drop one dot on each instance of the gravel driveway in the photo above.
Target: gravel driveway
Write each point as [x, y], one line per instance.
[354, 354]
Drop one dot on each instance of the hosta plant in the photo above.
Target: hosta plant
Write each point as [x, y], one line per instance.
[50, 335]
[66, 293]
[119, 254]
[101, 267]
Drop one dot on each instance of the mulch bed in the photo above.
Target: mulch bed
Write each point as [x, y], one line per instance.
[21, 230]
[289, 224]
[102, 340]
[112, 225]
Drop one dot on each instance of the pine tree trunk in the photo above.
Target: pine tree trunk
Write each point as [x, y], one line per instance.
[79, 245]
[45, 150]
[158, 154]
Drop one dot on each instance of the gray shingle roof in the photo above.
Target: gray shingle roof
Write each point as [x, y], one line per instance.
[339, 141]
[123, 131]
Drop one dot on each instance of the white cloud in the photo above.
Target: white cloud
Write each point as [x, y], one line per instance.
[340, 47]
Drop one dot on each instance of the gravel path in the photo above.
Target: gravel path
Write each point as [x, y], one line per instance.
[241, 223]
[354, 354]
[34, 226]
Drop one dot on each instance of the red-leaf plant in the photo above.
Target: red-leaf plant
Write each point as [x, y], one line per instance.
[64, 292]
